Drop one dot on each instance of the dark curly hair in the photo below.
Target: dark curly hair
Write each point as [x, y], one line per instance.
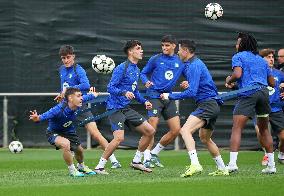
[247, 43]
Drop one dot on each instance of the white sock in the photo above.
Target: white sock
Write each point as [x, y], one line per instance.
[71, 168]
[271, 162]
[137, 157]
[233, 158]
[102, 163]
[147, 155]
[264, 151]
[193, 157]
[157, 149]
[281, 155]
[81, 165]
[219, 162]
[113, 159]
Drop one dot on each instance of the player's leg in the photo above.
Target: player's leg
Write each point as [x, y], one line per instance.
[205, 137]
[281, 147]
[264, 160]
[263, 110]
[267, 142]
[117, 120]
[96, 135]
[64, 145]
[118, 137]
[79, 156]
[147, 132]
[276, 120]
[171, 115]
[244, 109]
[239, 122]
[153, 121]
[154, 115]
[139, 122]
[192, 124]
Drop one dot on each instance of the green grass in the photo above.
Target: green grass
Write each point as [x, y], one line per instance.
[43, 172]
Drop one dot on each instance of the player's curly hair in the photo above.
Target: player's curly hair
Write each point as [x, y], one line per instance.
[247, 43]
[130, 44]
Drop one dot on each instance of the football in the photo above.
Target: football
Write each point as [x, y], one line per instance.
[103, 64]
[16, 147]
[213, 11]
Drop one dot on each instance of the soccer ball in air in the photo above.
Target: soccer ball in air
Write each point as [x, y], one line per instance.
[213, 11]
[16, 147]
[103, 64]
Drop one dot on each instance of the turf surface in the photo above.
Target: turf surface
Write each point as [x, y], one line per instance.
[42, 172]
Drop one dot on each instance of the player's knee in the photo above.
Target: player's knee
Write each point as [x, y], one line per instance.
[119, 138]
[153, 120]
[150, 131]
[182, 131]
[66, 145]
[204, 139]
[96, 135]
[80, 150]
[174, 132]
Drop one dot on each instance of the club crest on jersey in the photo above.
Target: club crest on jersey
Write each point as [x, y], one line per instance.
[169, 74]
[119, 124]
[271, 90]
[134, 85]
[70, 76]
[176, 65]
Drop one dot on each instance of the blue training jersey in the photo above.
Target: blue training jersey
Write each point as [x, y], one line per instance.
[201, 85]
[123, 80]
[69, 77]
[164, 71]
[274, 93]
[61, 118]
[255, 70]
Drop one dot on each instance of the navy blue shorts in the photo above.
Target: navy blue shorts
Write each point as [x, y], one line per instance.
[165, 108]
[207, 111]
[72, 137]
[126, 115]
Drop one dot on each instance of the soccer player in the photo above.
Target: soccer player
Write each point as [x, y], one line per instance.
[250, 69]
[203, 90]
[276, 117]
[164, 71]
[123, 88]
[61, 131]
[73, 75]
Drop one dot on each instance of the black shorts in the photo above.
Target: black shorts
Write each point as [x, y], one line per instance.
[166, 108]
[126, 115]
[72, 137]
[254, 104]
[83, 116]
[276, 120]
[207, 111]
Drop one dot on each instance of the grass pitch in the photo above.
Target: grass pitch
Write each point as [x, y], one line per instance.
[43, 172]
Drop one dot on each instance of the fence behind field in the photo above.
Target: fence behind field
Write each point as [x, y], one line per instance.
[15, 123]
